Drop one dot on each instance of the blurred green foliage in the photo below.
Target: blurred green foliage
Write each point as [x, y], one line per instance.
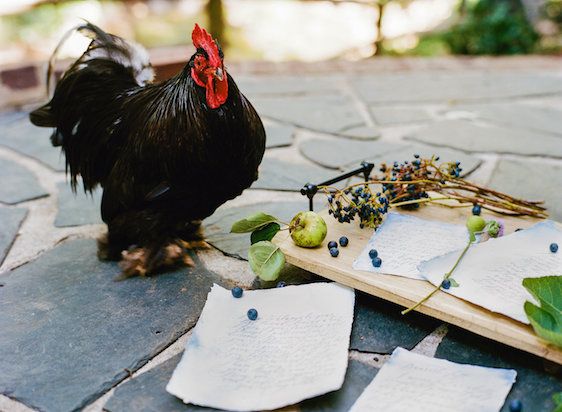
[553, 11]
[492, 27]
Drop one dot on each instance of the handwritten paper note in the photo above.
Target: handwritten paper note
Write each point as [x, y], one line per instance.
[403, 242]
[412, 382]
[296, 349]
[490, 274]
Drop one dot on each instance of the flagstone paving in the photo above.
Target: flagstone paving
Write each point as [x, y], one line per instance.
[78, 208]
[10, 221]
[71, 335]
[533, 387]
[279, 136]
[379, 327]
[471, 137]
[71, 331]
[18, 183]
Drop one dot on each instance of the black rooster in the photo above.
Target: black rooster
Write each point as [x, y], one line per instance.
[167, 155]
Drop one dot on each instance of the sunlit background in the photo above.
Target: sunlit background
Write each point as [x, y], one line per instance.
[283, 30]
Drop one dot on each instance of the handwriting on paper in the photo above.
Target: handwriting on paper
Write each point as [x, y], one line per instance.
[490, 274]
[404, 241]
[296, 349]
[412, 382]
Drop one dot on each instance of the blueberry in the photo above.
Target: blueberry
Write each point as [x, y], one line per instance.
[476, 210]
[377, 262]
[344, 241]
[332, 244]
[334, 252]
[281, 284]
[515, 406]
[446, 284]
[252, 314]
[237, 292]
[373, 253]
[554, 247]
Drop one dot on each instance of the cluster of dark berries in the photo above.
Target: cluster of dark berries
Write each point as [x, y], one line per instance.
[237, 292]
[375, 259]
[402, 174]
[333, 246]
[358, 202]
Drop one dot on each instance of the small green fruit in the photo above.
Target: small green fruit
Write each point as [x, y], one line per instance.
[308, 229]
[475, 224]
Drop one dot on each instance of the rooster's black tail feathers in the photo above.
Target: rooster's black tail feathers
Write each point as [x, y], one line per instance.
[85, 108]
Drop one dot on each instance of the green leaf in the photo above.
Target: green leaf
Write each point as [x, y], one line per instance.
[266, 260]
[546, 319]
[544, 325]
[547, 291]
[253, 222]
[557, 398]
[454, 283]
[265, 233]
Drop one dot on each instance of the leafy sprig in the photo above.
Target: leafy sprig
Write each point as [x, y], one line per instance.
[545, 319]
[265, 257]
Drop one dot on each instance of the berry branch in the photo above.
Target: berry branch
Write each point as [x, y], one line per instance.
[409, 184]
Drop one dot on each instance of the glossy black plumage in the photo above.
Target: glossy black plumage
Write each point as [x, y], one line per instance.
[164, 159]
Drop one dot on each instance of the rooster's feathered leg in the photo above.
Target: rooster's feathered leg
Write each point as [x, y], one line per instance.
[150, 241]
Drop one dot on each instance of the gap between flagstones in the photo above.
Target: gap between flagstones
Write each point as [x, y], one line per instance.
[427, 347]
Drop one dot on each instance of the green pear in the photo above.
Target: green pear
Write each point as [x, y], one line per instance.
[308, 229]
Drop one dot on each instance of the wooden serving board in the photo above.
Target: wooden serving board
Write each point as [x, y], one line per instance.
[406, 292]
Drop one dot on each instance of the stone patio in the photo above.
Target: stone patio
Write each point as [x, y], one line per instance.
[72, 337]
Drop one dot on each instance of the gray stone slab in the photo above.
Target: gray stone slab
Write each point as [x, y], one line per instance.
[357, 377]
[533, 180]
[362, 133]
[8, 117]
[331, 113]
[528, 117]
[10, 222]
[71, 332]
[389, 116]
[268, 85]
[441, 86]
[76, 209]
[279, 136]
[33, 141]
[18, 183]
[217, 227]
[379, 327]
[147, 393]
[471, 137]
[335, 153]
[275, 174]
[533, 386]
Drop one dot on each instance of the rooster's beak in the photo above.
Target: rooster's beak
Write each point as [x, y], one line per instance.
[219, 74]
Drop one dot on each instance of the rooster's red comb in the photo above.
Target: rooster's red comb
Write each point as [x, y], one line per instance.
[202, 39]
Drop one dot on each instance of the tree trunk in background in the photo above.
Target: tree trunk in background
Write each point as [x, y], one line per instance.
[215, 12]
[378, 41]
